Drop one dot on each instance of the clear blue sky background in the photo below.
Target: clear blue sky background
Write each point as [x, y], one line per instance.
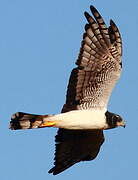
[39, 43]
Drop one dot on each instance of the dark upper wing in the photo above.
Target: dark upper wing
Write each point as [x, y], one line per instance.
[75, 146]
[99, 65]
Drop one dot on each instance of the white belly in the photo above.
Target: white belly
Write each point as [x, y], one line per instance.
[80, 119]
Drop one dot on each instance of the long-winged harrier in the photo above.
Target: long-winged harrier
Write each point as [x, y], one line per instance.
[84, 115]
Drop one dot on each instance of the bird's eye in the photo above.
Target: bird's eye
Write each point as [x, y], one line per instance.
[118, 118]
[115, 118]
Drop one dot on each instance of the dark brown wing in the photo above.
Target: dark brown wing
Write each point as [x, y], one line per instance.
[75, 146]
[99, 65]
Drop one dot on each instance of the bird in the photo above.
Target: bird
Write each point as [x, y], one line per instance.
[84, 115]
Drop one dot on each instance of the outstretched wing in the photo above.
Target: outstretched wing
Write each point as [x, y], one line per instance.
[98, 65]
[75, 146]
[90, 85]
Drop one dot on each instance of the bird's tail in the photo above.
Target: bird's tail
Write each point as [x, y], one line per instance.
[22, 120]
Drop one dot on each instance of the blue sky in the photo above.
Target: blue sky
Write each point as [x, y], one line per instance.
[39, 43]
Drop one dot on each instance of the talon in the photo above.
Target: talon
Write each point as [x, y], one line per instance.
[48, 124]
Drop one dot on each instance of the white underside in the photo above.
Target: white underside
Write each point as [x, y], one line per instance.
[80, 119]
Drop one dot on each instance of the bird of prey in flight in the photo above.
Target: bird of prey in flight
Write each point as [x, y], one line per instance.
[84, 115]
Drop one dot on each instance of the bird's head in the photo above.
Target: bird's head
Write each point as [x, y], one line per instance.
[114, 120]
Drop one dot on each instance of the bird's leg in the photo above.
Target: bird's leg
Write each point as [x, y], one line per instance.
[48, 124]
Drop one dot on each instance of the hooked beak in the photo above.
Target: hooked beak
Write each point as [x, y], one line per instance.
[122, 123]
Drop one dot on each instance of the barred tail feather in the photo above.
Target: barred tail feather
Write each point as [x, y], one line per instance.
[22, 120]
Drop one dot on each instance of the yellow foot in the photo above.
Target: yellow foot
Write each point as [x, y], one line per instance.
[48, 124]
